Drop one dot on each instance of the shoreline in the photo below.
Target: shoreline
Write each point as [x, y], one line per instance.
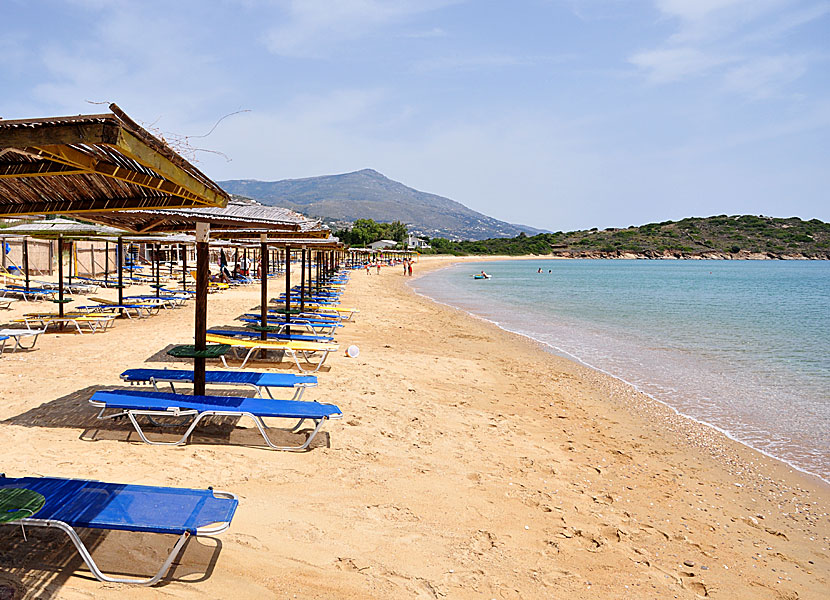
[470, 463]
[811, 478]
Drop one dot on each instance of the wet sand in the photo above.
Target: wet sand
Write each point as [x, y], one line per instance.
[470, 463]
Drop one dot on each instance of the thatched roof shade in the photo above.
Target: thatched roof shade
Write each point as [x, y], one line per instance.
[94, 163]
[52, 228]
[297, 243]
[235, 215]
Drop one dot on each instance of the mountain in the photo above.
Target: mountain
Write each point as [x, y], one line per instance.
[737, 236]
[367, 194]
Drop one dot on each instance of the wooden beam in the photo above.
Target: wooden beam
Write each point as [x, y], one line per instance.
[87, 205]
[75, 158]
[44, 168]
[58, 134]
[134, 148]
[153, 223]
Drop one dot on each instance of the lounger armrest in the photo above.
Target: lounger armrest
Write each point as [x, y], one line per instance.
[218, 528]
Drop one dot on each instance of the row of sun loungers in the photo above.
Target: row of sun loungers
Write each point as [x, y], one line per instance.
[69, 504]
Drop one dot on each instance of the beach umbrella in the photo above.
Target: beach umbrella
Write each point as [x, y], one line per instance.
[59, 229]
[99, 164]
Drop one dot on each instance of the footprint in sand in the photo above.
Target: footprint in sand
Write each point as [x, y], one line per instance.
[390, 512]
[697, 587]
[248, 541]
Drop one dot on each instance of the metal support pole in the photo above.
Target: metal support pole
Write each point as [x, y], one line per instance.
[202, 281]
[25, 260]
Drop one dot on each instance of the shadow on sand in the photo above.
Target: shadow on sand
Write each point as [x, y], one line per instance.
[38, 566]
[73, 411]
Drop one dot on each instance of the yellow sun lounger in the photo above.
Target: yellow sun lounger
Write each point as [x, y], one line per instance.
[95, 321]
[291, 348]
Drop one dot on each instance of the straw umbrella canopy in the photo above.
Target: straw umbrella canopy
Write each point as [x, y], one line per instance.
[58, 229]
[201, 219]
[99, 164]
[306, 229]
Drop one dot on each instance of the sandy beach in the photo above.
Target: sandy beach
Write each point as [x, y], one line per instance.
[470, 463]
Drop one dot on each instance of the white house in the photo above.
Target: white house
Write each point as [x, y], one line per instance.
[382, 244]
[414, 242]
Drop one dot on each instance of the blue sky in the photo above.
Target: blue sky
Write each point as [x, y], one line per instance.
[561, 114]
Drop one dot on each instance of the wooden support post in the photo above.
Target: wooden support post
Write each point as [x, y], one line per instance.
[184, 267]
[25, 260]
[157, 262]
[236, 262]
[310, 256]
[71, 259]
[106, 263]
[119, 261]
[60, 275]
[302, 280]
[263, 286]
[202, 281]
[288, 289]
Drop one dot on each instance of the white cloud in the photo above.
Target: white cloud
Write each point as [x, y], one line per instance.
[313, 27]
[435, 32]
[759, 78]
[665, 65]
[484, 61]
[730, 41]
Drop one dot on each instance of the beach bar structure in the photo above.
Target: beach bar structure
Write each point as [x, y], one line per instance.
[103, 164]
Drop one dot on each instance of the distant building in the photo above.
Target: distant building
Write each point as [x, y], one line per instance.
[382, 244]
[413, 242]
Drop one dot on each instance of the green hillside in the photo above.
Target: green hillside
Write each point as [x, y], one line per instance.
[339, 200]
[743, 236]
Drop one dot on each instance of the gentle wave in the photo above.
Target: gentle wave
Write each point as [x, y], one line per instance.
[711, 363]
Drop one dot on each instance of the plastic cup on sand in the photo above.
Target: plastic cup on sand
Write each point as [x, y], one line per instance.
[352, 351]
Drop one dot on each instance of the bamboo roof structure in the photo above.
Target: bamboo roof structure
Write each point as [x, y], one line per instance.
[236, 216]
[54, 228]
[298, 243]
[93, 163]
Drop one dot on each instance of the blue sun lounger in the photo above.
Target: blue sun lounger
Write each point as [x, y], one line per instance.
[134, 404]
[71, 503]
[247, 333]
[308, 324]
[258, 381]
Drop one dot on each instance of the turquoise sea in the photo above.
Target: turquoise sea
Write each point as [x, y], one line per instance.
[741, 345]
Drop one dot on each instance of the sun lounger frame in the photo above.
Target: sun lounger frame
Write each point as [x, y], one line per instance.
[256, 345]
[158, 377]
[86, 556]
[16, 334]
[199, 415]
